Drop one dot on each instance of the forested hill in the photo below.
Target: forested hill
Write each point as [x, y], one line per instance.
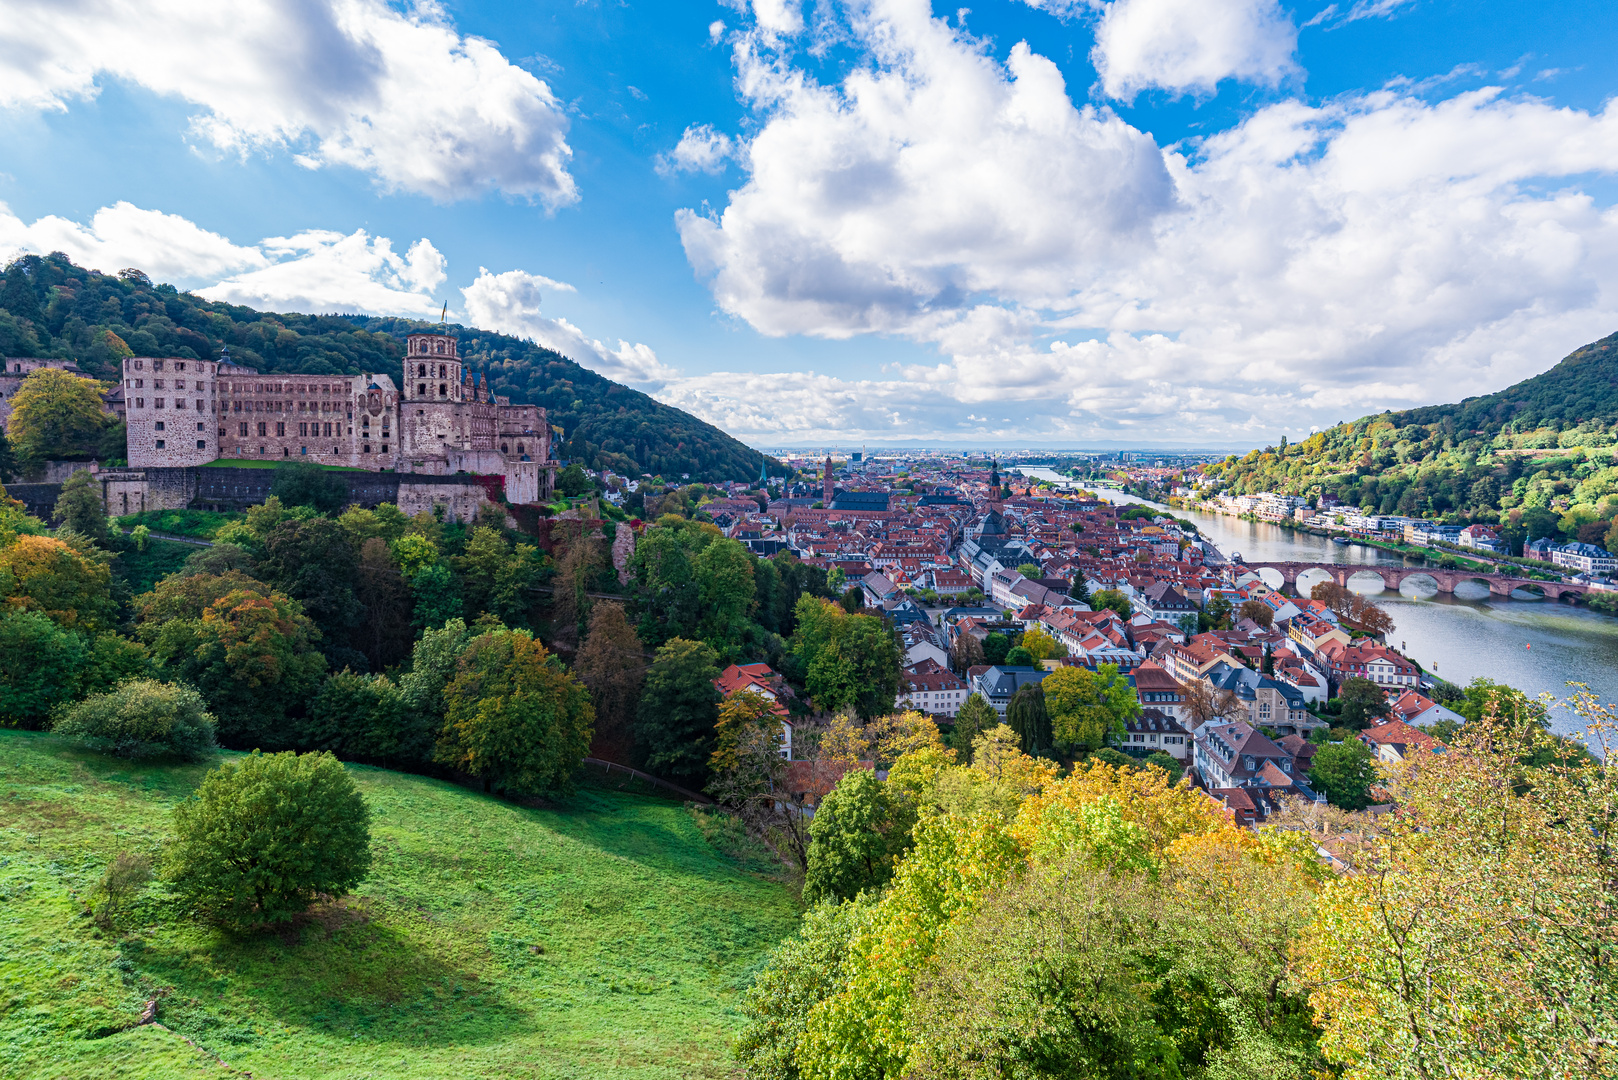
[50, 307]
[1546, 443]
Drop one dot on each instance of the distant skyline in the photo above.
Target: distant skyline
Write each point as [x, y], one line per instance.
[1110, 223]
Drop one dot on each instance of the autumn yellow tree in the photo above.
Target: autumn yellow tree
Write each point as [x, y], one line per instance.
[55, 414]
[1476, 939]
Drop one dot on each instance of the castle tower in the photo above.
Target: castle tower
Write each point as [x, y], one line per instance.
[432, 368]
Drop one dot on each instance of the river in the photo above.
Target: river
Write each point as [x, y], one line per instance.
[1534, 645]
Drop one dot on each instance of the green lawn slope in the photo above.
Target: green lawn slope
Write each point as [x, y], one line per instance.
[606, 937]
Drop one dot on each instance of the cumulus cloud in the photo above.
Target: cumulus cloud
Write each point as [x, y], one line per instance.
[168, 247]
[400, 95]
[1310, 264]
[330, 272]
[700, 149]
[924, 180]
[1191, 45]
[509, 303]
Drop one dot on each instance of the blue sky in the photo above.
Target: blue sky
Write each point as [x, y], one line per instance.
[1153, 221]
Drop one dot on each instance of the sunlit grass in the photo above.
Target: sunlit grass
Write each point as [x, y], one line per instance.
[605, 936]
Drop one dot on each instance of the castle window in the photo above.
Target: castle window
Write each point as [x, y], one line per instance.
[443, 370]
[157, 403]
[443, 390]
[201, 444]
[157, 365]
[421, 369]
[384, 448]
[303, 429]
[158, 383]
[263, 429]
[161, 445]
[159, 425]
[280, 429]
[504, 448]
[367, 448]
[328, 432]
[202, 427]
[421, 391]
[242, 429]
[140, 403]
[137, 366]
[180, 366]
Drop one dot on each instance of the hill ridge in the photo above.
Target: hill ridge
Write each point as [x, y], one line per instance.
[49, 306]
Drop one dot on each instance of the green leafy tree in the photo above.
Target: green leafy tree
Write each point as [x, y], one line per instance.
[1019, 657]
[433, 664]
[303, 483]
[995, 649]
[1362, 702]
[975, 717]
[1112, 600]
[1029, 570]
[1028, 717]
[249, 649]
[1216, 616]
[367, 717]
[612, 664]
[79, 507]
[40, 661]
[1089, 709]
[8, 457]
[573, 481]
[1344, 773]
[142, 719]
[849, 659]
[514, 717]
[1167, 762]
[858, 832]
[436, 598]
[804, 971]
[261, 837]
[725, 587]
[498, 575]
[55, 414]
[674, 725]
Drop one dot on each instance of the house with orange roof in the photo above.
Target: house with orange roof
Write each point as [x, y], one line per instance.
[762, 680]
[1420, 710]
[1393, 741]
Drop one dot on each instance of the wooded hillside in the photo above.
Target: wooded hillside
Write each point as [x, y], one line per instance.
[1546, 443]
[51, 307]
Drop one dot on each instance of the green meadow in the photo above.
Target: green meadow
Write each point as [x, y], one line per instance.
[607, 935]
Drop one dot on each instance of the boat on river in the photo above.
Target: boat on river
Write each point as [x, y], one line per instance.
[1343, 540]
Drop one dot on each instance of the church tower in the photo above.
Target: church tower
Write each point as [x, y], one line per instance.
[829, 492]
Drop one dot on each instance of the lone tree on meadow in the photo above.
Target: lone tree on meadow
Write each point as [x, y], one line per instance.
[262, 837]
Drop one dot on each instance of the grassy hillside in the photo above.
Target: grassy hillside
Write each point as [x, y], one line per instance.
[50, 307]
[603, 938]
[1545, 443]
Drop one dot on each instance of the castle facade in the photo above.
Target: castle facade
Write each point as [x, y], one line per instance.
[439, 420]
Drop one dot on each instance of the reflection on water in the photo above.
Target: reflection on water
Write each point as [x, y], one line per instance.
[1534, 645]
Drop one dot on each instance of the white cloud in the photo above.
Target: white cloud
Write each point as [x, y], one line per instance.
[329, 272]
[778, 16]
[509, 303]
[1334, 17]
[1191, 45]
[166, 246]
[1309, 265]
[935, 175]
[400, 95]
[700, 149]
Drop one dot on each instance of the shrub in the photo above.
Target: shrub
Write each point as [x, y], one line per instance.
[125, 877]
[142, 719]
[262, 837]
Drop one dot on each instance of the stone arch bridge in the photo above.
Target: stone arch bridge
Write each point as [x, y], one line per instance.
[1394, 576]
